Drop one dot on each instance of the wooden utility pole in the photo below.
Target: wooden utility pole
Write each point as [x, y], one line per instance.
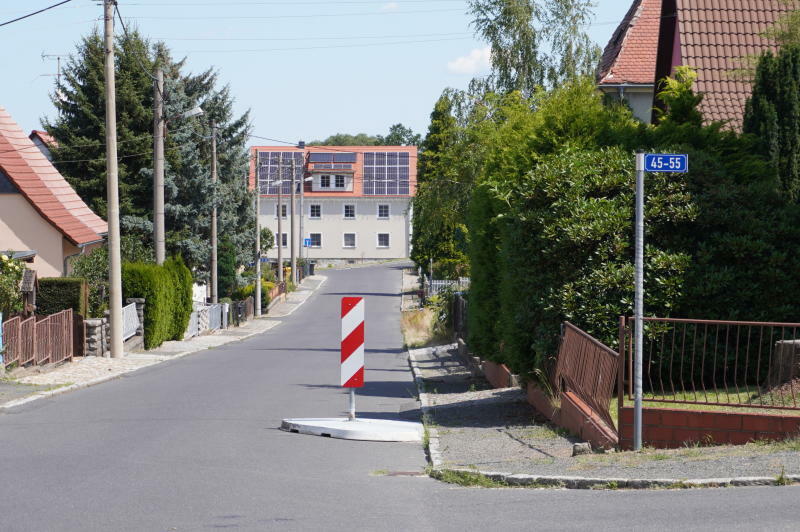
[257, 292]
[112, 185]
[280, 213]
[158, 166]
[214, 291]
[292, 231]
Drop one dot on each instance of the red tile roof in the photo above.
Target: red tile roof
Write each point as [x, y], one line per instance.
[630, 56]
[46, 189]
[45, 137]
[714, 36]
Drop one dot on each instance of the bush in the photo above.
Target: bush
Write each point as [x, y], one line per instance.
[182, 309]
[168, 298]
[243, 292]
[61, 293]
[11, 271]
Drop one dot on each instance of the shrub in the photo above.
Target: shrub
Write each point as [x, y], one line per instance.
[60, 293]
[10, 277]
[243, 292]
[154, 284]
[182, 284]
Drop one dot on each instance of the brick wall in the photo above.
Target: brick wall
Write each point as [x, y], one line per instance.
[666, 428]
[497, 374]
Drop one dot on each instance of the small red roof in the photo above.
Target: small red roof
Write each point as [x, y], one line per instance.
[630, 56]
[45, 137]
[44, 187]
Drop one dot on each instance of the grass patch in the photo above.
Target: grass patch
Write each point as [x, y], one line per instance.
[421, 329]
[466, 479]
[545, 432]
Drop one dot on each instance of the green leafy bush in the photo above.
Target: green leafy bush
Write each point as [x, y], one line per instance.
[61, 293]
[167, 291]
[243, 292]
[11, 271]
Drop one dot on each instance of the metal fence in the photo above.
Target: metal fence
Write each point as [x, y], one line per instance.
[434, 286]
[130, 321]
[39, 339]
[193, 329]
[215, 316]
[707, 362]
[588, 368]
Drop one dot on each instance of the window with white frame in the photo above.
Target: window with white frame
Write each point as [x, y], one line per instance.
[282, 210]
[324, 181]
[284, 240]
[383, 240]
[349, 240]
[315, 211]
[339, 181]
[349, 212]
[383, 212]
[316, 239]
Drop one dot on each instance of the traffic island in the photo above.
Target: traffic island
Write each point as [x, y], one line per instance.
[356, 429]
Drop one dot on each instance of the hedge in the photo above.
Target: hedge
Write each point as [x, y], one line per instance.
[61, 293]
[243, 292]
[167, 291]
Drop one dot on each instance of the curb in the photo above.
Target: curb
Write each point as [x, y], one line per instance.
[569, 482]
[180, 354]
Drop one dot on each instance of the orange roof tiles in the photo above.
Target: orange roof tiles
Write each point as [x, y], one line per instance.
[630, 56]
[714, 36]
[45, 137]
[46, 189]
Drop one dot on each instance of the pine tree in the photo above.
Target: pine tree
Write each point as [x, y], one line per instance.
[772, 114]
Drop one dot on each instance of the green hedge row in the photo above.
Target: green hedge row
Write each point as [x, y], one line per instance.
[61, 293]
[167, 291]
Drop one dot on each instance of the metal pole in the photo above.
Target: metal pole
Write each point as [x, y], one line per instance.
[214, 273]
[112, 184]
[293, 233]
[158, 166]
[280, 212]
[257, 292]
[352, 413]
[639, 303]
[301, 235]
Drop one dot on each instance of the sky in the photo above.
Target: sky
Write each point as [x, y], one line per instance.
[306, 69]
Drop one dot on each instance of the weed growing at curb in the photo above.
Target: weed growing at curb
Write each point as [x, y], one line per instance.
[466, 479]
[782, 479]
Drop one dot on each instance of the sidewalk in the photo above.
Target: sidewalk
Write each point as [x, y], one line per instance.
[476, 432]
[36, 382]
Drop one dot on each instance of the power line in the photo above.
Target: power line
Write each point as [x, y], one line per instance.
[321, 47]
[291, 3]
[319, 15]
[127, 36]
[313, 38]
[34, 13]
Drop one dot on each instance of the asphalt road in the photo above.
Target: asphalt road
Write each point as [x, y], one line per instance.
[193, 445]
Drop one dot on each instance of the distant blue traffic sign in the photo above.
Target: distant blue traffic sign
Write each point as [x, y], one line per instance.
[666, 162]
[306, 242]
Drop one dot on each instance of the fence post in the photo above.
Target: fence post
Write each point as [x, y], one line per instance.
[621, 370]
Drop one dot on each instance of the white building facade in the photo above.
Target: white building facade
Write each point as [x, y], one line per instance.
[356, 201]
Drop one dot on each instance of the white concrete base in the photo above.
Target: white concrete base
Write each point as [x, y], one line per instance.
[357, 429]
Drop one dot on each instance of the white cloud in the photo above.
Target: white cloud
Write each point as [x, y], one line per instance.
[391, 6]
[478, 60]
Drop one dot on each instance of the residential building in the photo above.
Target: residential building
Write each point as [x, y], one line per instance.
[41, 216]
[717, 38]
[44, 142]
[357, 200]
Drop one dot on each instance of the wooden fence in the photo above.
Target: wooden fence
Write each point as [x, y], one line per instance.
[39, 339]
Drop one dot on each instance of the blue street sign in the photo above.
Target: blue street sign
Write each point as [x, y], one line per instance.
[306, 242]
[666, 162]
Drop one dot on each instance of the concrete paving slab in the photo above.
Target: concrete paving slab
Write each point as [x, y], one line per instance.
[356, 429]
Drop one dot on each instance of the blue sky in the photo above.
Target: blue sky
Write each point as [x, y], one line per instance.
[305, 68]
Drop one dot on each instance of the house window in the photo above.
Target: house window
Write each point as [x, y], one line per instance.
[349, 240]
[339, 181]
[349, 212]
[383, 212]
[315, 212]
[283, 210]
[383, 240]
[284, 240]
[325, 181]
[316, 240]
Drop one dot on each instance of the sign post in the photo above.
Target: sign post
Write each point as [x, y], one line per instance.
[352, 361]
[645, 162]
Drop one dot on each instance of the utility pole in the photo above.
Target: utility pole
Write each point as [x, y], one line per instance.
[214, 292]
[301, 235]
[257, 292]
[280, 213]
[638, 311]
[112, 184]
[158, 166]
[292, 231]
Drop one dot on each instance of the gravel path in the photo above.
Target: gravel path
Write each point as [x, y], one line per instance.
[498, 431]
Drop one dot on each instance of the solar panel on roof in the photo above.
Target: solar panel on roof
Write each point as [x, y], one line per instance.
[320, 157]
[344, 157]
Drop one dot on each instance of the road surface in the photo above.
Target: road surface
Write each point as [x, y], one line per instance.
[193, 445]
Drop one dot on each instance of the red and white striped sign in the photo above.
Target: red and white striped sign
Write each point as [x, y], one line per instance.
[352, 342]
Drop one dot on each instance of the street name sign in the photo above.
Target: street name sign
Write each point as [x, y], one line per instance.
[666, 162]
